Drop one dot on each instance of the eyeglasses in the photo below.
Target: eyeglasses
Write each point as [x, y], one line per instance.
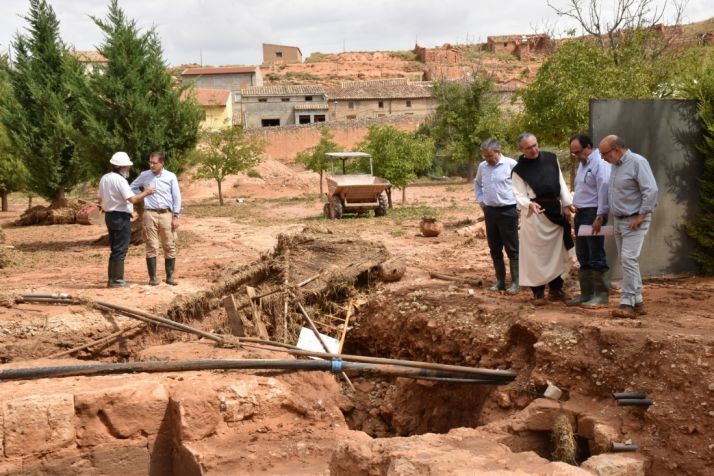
[528, 147]
[603, 154]
[576, 153]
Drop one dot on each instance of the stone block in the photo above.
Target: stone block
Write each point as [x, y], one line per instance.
[615, 464]
[38, 424]
[121, 458]
[121, 411]
[540, 416]
[196, 412]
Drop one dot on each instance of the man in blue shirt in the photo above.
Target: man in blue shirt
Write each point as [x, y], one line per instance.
[591, 208]
[494, 193]
[161, 215]
[632, 196]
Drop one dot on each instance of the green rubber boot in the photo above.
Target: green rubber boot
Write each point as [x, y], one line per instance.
[514, 287]
[500, 267]
[585, 276]
[151, 267]
[117, 275]
[170, 265]
[601, 293]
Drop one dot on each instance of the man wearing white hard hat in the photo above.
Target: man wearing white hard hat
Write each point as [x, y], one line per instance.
[117, 199]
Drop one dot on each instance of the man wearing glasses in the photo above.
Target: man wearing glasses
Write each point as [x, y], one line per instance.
[544, 235]
[632, 197]
[494, 193]
[591, 208]
[161, 215]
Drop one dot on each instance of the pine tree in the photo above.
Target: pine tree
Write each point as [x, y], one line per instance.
[132, 104]
[39, 112]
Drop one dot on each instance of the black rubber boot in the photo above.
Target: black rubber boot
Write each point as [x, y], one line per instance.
[151, 267]
[587, 287]
[514, 287]
[110, 273]
[170, 265]
[601, 293]
[500, 267]
[117, 280]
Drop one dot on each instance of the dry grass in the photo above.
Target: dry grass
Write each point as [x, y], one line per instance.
[565, 448]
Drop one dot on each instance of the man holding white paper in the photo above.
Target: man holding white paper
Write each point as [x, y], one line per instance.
[591, 209]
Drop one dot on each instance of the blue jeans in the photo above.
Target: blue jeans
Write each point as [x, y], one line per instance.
[629, 244]
[119, 227]
[590, 250]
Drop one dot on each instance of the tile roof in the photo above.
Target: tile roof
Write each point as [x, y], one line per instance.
[382, 89]
[225, 70]
[212, 97]
[90, 56]
[319, 106]
[515, 38]
[288, 90]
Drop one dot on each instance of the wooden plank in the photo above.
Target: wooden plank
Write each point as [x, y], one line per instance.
[257, 319]
[235, 320]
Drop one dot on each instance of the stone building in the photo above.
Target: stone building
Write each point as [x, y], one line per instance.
[520, 46]
[217, 107]
[90, 60]
[281, 54]
[232, 79]
[268, 106]
[380, 98]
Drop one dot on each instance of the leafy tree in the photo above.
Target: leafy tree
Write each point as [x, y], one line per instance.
[13, 175]
[225, 152]
[466, 115]
[39, 113]
[314, 158]
[702, 230]
[397, 155]
[131, 103]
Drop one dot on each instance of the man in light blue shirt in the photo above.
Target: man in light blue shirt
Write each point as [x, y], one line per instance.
[161, 215]
[494, 193]
[591, 208]
[632, 196]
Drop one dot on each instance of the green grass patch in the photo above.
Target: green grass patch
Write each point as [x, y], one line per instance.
[408, 213]
[231, 209]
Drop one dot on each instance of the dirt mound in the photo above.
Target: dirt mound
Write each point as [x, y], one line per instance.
[315, 270]
[4, 252]
[62, 212]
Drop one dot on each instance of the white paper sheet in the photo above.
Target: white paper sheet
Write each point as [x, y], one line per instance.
[587, 230]
[308, 341]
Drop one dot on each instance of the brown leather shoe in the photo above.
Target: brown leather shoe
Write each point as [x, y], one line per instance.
[640, 309]
[557, 295]
[539, 301]
[624, 311]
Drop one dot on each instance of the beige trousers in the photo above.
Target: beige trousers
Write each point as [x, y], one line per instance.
[157, 230]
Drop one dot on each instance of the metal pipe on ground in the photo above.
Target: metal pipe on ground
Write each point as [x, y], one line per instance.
[335, 366]
[635, 402]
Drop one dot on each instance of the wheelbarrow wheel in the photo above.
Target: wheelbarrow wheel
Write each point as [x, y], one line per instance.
[336, 207]
[381, 210]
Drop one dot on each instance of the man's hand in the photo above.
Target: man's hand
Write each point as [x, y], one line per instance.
[149, 190]
[568, 213]
[534, 208]
[597, 223]
[174, 222]
[636, 221]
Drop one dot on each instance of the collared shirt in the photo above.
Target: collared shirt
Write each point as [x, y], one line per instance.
[633, 188]
[492, 185]
[591, 184]
[114, 192]
[167, 194]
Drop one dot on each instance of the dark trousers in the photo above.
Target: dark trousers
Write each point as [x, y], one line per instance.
[502, 231]
[119, 227]
[554, 285]
[590, 250]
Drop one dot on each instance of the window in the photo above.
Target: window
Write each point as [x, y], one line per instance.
[285, 99]
[381, 115]
[351, 105]
[270, 122]
[381, 104]
[352, 116]
[319, 118]
[262, 99]
[278, 54]
[308, 98]
[236, 97]
[304, 119]
[505, 45]
[409, 104]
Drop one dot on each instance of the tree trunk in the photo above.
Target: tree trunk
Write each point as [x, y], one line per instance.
[321, 176]
[220, 193]
[471, 169]
[389, 197]
[3, 197]
[404, 194]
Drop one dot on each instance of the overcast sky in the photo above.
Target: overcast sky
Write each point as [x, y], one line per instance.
[217, 32]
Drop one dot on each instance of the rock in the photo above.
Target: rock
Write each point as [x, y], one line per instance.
[615, 464]
[711, 387]
[540, 416]
[38, 424]
[552, 392]
[391, 270]
[196, 412]
[122, 411]
[503, 400]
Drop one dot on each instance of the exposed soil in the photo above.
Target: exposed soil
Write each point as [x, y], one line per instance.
[214, 422]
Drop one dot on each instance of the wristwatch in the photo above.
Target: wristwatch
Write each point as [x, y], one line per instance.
[176, 215]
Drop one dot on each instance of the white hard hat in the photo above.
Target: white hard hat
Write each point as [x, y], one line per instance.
[120, 159]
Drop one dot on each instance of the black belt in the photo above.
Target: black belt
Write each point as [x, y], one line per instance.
[158, 210]
[622, 217]
[584, 209]
[501, 207]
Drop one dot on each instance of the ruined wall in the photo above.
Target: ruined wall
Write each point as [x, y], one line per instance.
[283, 143]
